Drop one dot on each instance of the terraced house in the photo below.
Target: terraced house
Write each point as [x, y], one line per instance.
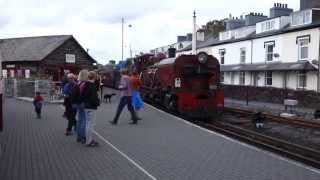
[280, 51]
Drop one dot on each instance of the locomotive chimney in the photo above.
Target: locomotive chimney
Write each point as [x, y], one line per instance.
[172, 52]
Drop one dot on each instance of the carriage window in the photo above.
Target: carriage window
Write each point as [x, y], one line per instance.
[232, 77]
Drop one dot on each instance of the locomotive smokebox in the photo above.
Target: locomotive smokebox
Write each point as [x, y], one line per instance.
[308, 4]
[172, 52]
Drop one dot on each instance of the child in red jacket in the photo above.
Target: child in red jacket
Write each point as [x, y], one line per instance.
[37, 102]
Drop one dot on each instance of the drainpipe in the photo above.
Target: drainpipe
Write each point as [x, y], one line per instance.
[318, 79]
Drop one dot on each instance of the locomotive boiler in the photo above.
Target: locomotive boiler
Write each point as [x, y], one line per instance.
[188, 84]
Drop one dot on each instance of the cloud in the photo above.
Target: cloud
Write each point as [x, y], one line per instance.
[96, 24]
[4, 21]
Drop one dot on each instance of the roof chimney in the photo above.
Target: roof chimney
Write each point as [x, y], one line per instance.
[253, 18]
[280, 10]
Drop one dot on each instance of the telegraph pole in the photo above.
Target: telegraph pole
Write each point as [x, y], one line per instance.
[122, 21]
[194, 35]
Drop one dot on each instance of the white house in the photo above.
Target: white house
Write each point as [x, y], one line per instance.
[278, 51]
[182, 42]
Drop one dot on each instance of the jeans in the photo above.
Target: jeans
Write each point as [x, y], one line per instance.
[90, 123]
[81, 125]
[38, 107]
[125, 100]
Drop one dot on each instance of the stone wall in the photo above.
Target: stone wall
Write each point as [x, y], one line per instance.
[307, 99]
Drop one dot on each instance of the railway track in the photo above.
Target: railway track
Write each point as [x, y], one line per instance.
[294, 121]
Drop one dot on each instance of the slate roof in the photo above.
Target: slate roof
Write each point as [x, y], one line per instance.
[214, 40]
[31, 48]
[280, 66]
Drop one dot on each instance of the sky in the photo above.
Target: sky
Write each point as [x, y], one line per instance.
[96, 24]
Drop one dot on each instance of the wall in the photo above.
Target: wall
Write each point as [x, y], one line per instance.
[290, 52]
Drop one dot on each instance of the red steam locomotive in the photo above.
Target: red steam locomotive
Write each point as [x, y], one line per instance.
[188, 84]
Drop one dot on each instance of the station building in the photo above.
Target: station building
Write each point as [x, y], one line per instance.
[43, 56]
[280, 51]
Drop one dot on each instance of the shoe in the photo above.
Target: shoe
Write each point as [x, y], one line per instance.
[68, 133]
[93, 144]
[133, 123]
[112, 123]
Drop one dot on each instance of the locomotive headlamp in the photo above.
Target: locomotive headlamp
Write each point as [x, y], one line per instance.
[202, 57]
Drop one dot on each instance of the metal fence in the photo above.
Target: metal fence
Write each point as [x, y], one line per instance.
[27, 88]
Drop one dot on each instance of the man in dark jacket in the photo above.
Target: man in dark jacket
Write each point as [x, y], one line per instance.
[70, 112]
[91, 103]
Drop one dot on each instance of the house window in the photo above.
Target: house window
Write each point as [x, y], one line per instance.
[301, 18]
[222, 53]
[269, 51]
[243, 55]
[232, 77]
[268, 78]
[302, 79]
[303, 45]
[222, 77]
[242, 78]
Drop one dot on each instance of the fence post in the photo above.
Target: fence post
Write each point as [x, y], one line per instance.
[247, 95]
[15, 88]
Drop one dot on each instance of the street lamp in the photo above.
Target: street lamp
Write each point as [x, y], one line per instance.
[122, 45]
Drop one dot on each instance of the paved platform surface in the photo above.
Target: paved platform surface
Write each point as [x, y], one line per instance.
[159, 147]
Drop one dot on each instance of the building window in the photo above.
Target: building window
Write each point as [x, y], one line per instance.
[301, 18]
[243, 55]
[222, 77]
[222, 53]
[269, 50]
[4, 73]
[302, 79]
[268, 78]
[242, 78]
[232, 77]
[180, 46]
[303, 45]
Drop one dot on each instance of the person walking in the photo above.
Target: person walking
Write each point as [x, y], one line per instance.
[126, 98]
[91, 103]
[137, 102]
[70, 111]
[79, 103]
[37, 102]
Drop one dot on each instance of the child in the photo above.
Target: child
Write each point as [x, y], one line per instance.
[37, 102]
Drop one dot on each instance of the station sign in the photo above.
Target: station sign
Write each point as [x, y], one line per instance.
[70, 58]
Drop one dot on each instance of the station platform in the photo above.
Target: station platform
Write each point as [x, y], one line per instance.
[161, 146]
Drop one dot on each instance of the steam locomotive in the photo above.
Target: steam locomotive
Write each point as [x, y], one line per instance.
[188, 84]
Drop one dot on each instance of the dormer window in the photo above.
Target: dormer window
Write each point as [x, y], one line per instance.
[267, 26]
[301, 18]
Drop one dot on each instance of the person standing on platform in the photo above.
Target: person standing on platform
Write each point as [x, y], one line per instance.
[126, 98]
[136, 98]
[70, 111]
[81, 124]
[37, 102]
[91, 103]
